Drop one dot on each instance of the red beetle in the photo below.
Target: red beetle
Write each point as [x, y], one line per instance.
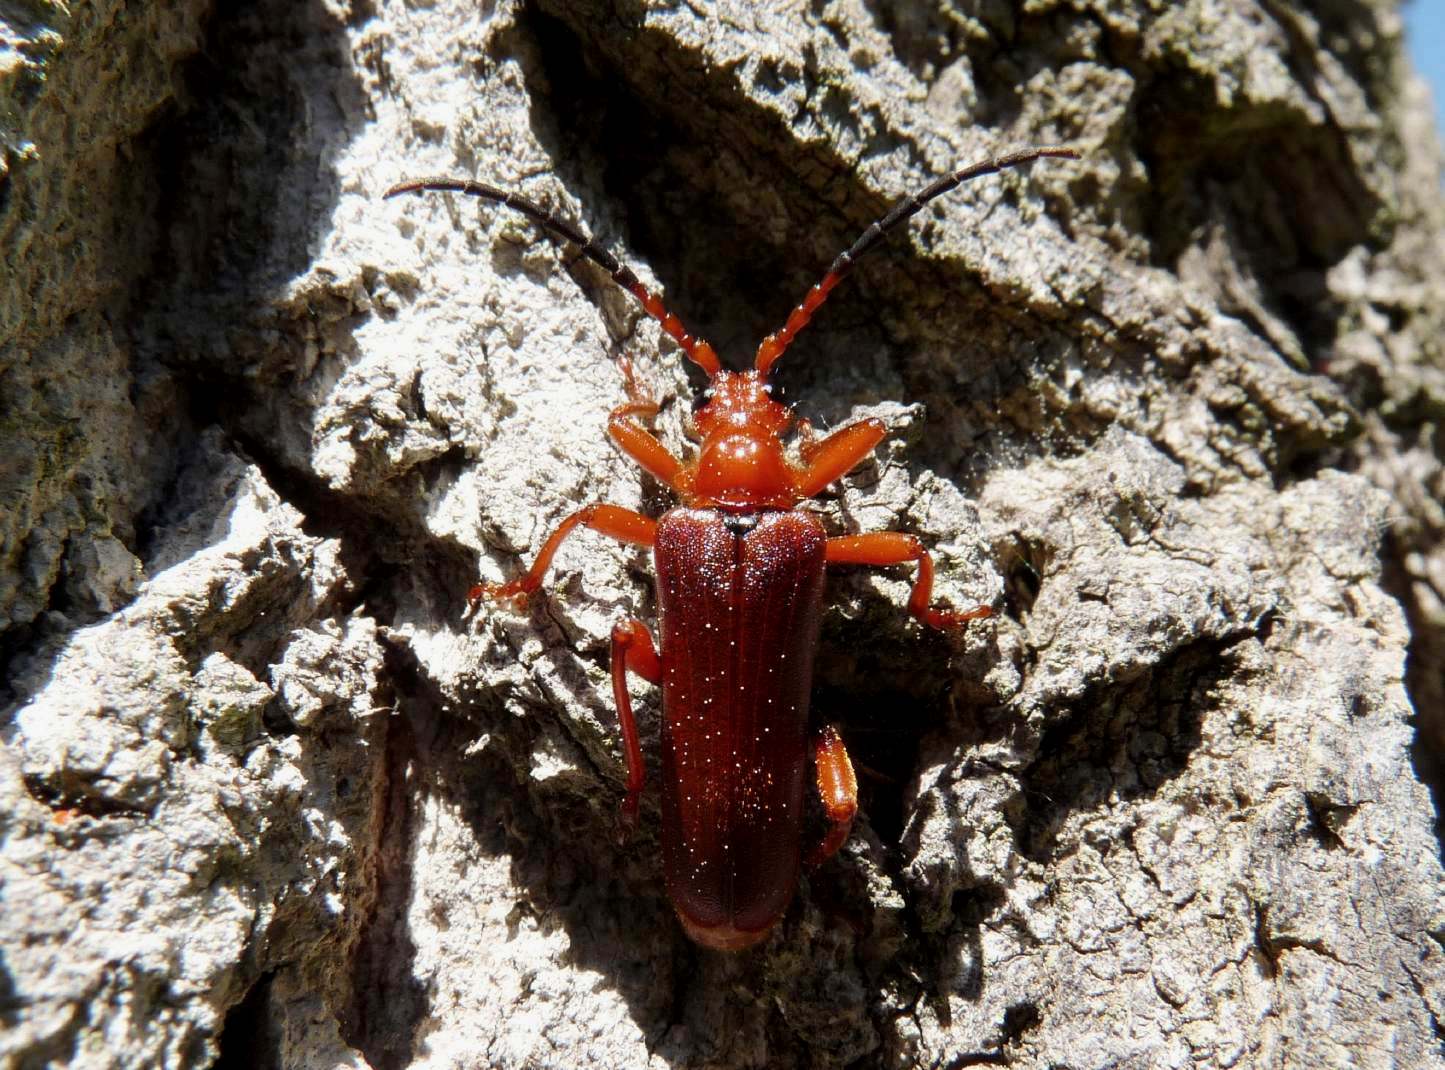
[740, 592]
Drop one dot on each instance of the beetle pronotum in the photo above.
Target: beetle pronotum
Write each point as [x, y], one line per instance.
[740, 591]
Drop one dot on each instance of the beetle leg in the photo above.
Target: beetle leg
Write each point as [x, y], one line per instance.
[612, 520]
[632, 651]
[640, 444]
[839, 789]
[895, 548]
[838, 454]
[633, 439]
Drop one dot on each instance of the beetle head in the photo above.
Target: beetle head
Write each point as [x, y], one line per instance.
[741, 401]
[741, 464]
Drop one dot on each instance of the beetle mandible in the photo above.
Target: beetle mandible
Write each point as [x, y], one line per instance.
[739, 592]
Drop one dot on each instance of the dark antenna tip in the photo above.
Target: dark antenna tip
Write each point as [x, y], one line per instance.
[697, 350]
[774, 345]
[421, 185]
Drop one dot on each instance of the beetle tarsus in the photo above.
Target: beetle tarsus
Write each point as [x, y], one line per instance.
[640, 401]
[948, 619]
[514, 593]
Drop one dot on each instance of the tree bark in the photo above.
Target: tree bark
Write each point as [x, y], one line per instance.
[271, 797]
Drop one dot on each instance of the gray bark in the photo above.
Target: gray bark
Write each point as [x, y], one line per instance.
[1174, 410]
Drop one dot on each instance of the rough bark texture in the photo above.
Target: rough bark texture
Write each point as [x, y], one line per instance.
[1175, 410]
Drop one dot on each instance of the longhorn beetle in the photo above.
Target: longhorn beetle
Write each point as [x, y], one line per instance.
[739, 593]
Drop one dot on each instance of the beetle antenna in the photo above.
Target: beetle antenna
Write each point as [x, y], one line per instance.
[776, 343]
[697, 350]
